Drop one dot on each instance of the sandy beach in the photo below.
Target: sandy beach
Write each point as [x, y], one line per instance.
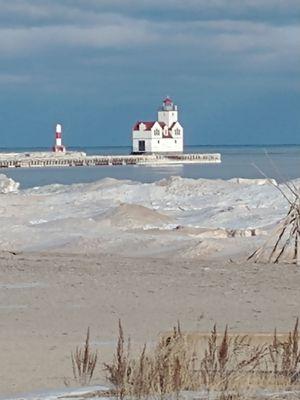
[48, 300]
[85, 255]
[149, 174]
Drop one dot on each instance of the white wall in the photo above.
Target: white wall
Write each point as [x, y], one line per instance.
[168, 117]
[166, 145]
[157, 143]
[135, 145]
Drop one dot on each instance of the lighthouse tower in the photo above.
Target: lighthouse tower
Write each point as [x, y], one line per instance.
[168, 113]
[58, 147]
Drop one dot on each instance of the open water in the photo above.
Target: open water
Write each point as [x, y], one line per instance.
[281, 162]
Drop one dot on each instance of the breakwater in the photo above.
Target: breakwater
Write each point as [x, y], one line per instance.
[78, 159]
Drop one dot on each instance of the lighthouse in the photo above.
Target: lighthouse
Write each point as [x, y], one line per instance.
[165, 135]
[58, 147]
[168, 113]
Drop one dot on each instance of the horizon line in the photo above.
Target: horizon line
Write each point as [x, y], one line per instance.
[127, 146]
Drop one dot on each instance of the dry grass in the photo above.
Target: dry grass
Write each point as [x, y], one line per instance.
[285, 356]
[224, 364]
[173, 366]
[119, 371]
[284, 243]
[84, 362]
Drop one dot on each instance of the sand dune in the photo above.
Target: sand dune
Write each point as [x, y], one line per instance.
[135, 216]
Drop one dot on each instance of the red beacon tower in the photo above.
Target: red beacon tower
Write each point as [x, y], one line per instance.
[58, 147]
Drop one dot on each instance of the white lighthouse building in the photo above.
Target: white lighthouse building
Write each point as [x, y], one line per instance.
[162, 136]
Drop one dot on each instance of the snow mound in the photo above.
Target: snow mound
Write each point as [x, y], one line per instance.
[221, 233]
[121, 215]
[244, 181]
[135, 216]
[8, 185]
[102, 185]
[70, 393]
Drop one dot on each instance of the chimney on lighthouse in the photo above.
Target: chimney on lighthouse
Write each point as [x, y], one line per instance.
[58, 147]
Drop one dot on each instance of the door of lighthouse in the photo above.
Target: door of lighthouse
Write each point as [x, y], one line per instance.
[141, 145]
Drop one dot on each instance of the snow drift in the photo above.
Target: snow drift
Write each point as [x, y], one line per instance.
[8, 185]
[168, 216]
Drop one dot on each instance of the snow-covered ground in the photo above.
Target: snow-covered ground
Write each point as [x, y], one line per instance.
[78, 393]
[49, 297]
[94, 392]
[197, 217]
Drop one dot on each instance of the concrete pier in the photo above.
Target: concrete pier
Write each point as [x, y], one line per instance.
[78, 159]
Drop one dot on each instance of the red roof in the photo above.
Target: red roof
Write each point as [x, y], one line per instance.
[148, 124]
[167, 100]
[172, 126]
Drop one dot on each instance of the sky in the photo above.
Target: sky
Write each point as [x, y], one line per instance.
[97, 66]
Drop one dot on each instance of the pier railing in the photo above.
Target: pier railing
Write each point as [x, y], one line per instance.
[35, 160]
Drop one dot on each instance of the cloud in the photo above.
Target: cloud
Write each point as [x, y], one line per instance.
[138, 38]
[84, 11]
[13, 79]
[230, 26]
[80, 60]
[125, 33]
[119, 32]
[271, 10]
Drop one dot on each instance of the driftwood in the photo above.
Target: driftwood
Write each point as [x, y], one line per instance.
[283, 244]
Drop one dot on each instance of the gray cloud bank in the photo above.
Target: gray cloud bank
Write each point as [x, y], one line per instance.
[124, 48]
[230, 27]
